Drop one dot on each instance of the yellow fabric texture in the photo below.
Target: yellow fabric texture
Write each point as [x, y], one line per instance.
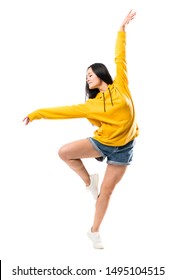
[111, 111]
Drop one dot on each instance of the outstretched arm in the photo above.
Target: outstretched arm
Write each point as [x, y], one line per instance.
[61, 112]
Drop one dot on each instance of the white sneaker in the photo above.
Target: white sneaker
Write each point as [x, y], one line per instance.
[93, 187]
[96, 239]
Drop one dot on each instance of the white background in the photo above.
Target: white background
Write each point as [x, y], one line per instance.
[45, 49]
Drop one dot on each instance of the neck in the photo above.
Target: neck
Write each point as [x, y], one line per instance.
[103, 87]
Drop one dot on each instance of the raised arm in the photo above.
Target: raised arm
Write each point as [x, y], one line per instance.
[120, 52]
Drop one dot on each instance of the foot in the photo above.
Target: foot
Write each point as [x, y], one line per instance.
[96, 239]
[93, 187]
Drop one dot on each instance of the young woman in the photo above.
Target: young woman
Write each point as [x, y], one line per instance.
[109, 107]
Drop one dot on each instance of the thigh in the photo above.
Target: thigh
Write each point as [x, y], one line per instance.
[79, 149]
[113, 175]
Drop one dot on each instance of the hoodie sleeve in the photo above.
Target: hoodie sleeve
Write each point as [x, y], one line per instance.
[62, 112]
[120, 59]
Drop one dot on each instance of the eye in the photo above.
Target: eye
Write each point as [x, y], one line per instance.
[88, 77]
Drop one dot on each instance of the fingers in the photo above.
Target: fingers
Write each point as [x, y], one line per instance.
[26, 120]
[130, 16]
[131, 13]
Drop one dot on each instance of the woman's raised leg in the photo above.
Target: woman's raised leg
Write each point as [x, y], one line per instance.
[73, 152]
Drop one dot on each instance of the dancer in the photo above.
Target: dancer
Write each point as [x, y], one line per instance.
[109, 106]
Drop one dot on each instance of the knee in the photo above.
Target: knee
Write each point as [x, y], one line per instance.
[63, 153]
[105, 194]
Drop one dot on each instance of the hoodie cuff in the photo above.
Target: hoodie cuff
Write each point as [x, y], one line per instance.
[122, 34]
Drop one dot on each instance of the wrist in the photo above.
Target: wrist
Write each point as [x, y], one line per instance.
[122, 28]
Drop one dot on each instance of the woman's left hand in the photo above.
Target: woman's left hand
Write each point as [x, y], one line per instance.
[127, 20]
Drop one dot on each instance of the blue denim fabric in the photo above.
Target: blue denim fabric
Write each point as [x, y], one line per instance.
[121, 155]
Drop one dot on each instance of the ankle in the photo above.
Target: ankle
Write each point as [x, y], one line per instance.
[88, 182]
[94, 229]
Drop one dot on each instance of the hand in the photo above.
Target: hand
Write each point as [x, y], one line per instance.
[127, 20]
[26, 120]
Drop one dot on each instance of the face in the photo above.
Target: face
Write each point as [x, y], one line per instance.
[92, 79]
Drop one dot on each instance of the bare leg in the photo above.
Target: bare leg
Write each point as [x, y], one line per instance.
[113, 175]
[73, 152]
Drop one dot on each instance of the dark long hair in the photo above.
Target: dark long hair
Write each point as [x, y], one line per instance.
[102, 72]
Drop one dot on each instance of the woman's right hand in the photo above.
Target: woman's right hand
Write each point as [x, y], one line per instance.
[26, 120]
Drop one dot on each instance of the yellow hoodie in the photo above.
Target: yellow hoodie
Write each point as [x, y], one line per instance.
[111, 111]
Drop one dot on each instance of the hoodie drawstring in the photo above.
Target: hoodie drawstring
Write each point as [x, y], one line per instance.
[104, 103]
[111, 96]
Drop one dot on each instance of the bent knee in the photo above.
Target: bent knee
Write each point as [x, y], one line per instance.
[63, 153]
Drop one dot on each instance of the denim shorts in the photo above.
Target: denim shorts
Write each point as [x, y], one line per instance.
[120, 155]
